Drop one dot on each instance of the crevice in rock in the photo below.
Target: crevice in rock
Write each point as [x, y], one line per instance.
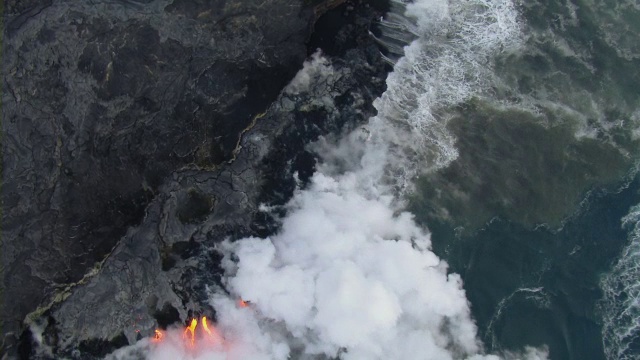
[25, 345]
[167, 316]
[100, 348]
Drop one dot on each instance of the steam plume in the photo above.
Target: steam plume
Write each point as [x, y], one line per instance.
[349, 274]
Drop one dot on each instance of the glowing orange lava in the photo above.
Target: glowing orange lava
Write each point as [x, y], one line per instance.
[243, 303]
[190, 332]
[158, 336]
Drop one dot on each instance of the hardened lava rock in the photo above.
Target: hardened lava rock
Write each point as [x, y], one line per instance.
[137, 134]
[102, 100]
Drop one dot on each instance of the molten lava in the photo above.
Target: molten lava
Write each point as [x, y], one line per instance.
[191, 334]
[205, 326]
[158, 336]
[243, 303]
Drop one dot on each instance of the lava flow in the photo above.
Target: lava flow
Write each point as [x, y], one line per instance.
[158, 336]
[190, 332]
[195, 333]
[212, 333]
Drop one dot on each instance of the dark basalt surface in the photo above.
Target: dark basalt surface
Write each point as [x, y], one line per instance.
[124, 156]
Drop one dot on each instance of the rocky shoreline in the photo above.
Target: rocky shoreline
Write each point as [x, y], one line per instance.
[138, 134]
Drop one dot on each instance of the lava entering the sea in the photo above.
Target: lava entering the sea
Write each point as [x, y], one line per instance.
[158, 336]
[195, 333]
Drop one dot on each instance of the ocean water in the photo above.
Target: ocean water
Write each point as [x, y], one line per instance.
[557, 287]
[487, 210]
[620, 305]
[538, 209]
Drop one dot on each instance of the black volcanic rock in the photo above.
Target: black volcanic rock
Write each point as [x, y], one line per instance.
[125, 160]
[102, 101]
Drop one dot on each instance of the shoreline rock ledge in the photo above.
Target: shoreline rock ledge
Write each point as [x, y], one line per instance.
[131, 146]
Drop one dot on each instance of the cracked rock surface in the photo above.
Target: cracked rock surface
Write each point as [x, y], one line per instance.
[124, 156]
[103, 100]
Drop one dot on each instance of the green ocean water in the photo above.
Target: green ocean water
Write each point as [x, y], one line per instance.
[531, 211]
[538, 286]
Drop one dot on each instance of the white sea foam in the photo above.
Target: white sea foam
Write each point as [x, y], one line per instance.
[621, 303]
[635, 119]
[451, 61]
[547, 76]
[349, 275]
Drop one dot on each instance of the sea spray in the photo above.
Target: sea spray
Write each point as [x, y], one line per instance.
[450, 62]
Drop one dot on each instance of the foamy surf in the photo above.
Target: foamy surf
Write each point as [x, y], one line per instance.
[620, 306]
[451, 61]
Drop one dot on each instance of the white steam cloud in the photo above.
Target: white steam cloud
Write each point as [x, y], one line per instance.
[313, 69]
[350, 275]
[347, 274]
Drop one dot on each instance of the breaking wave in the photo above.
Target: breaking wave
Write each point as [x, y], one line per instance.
[620, 306]
[450, 61]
